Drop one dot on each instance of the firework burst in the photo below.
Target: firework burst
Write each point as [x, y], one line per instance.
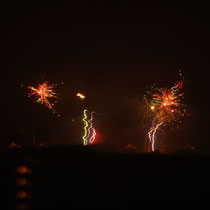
[162, 106]
[166, 102]
[44, 93]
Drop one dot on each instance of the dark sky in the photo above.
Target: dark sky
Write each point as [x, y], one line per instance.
[110, 53]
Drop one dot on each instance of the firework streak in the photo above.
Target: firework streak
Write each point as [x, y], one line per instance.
[89, 131]
[162, 106]
[43, 93]
[85, 142]
[81, 96]
[152, 134]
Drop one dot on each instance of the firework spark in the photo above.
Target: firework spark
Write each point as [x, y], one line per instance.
[43, 93]
[81, 96]
[162, 106]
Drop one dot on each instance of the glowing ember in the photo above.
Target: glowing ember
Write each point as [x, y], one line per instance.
[81, 96]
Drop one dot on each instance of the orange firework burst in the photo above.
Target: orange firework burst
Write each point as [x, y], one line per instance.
[43, 92]
[167, 102]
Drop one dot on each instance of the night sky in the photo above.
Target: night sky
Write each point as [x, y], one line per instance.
[111, 53]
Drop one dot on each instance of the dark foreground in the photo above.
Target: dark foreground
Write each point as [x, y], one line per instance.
[87, 177]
